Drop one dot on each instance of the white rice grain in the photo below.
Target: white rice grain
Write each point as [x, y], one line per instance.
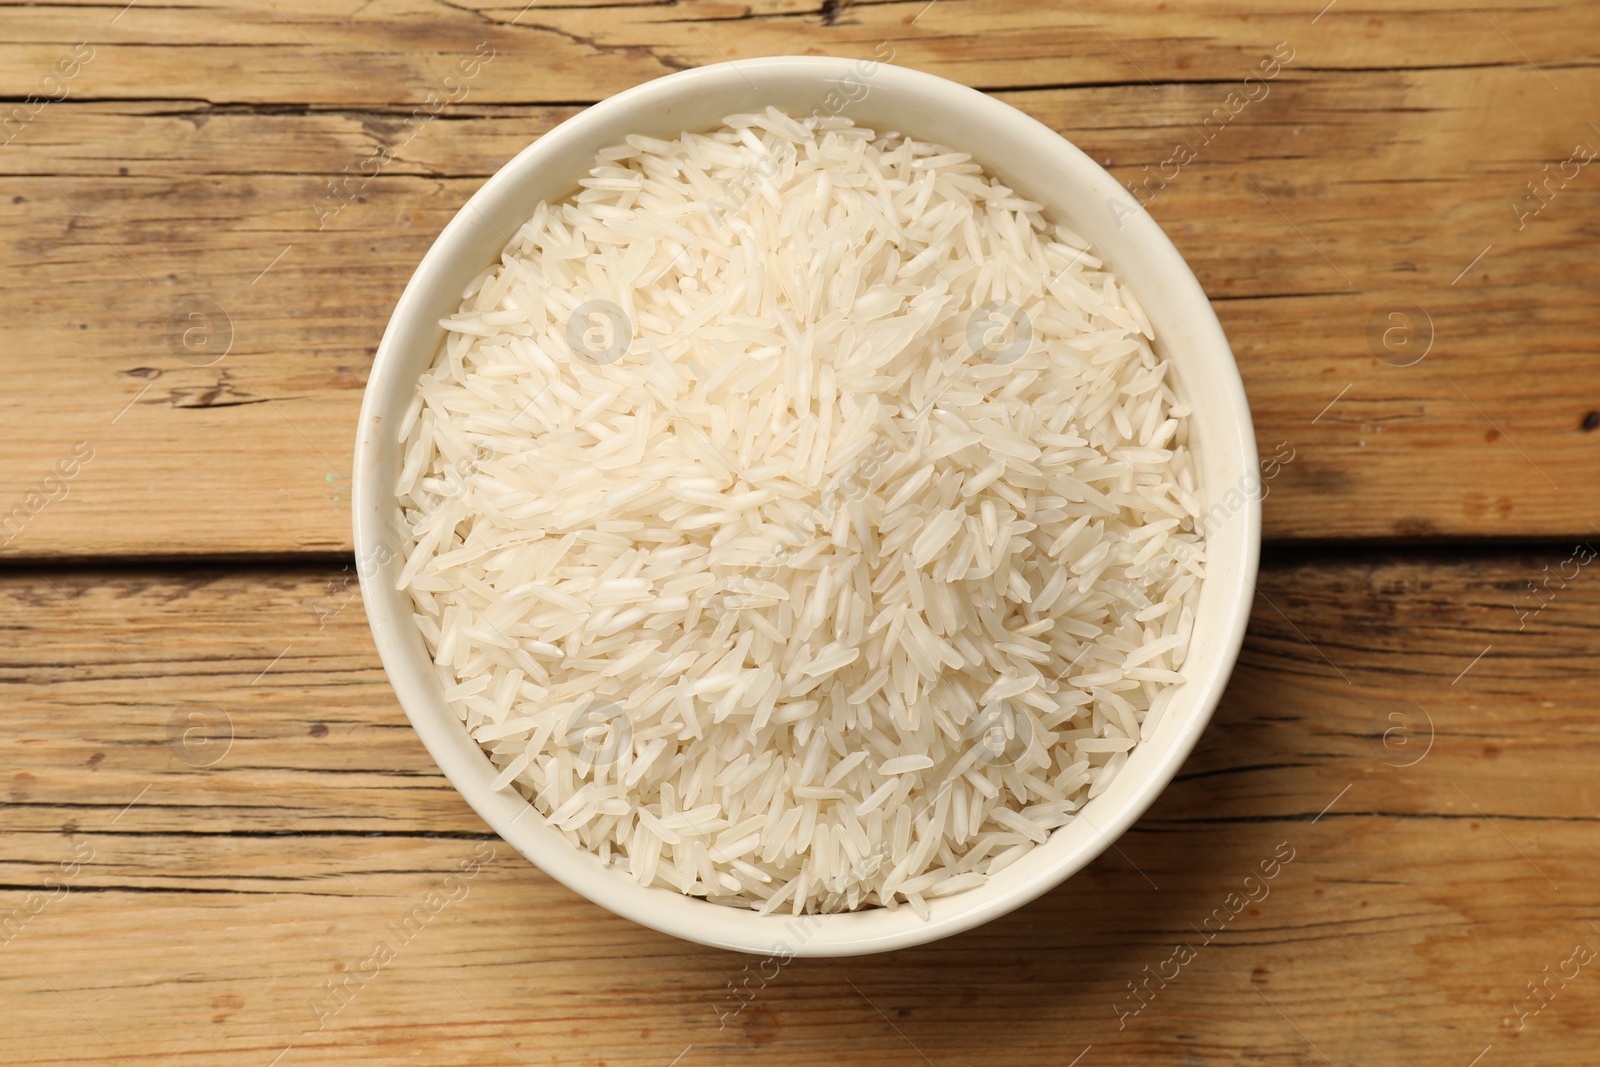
[799, 520]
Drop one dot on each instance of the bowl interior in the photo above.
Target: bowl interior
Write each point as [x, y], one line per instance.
[1024, 154]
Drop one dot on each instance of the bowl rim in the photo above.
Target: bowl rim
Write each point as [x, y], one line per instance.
[388, 610]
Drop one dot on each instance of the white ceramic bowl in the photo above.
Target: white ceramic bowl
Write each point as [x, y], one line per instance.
[1025, 155]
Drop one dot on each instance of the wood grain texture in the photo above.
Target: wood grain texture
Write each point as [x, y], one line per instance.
[186, 173]
[1440, 810]
[212, 809]
[358, 52]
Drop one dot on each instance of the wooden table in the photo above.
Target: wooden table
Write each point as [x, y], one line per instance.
[216, 808]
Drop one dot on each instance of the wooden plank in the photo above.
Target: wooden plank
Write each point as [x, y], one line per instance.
[1482, 437]
[1442, 858]
[169, 210]
[357, 52]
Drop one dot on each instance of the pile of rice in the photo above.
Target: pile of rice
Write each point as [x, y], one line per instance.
[800, 520]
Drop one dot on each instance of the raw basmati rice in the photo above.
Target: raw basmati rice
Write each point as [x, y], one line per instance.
[799, 519]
